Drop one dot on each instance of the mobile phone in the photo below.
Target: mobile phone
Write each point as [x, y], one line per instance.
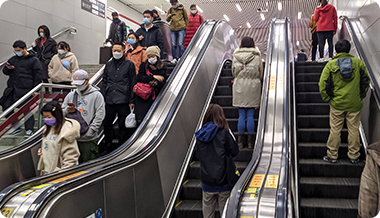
[8, 64]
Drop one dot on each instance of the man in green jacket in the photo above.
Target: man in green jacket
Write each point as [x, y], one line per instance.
[344, 84]
[177, 15]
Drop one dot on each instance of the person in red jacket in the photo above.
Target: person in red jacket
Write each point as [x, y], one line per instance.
[327, 19]
[195, 20]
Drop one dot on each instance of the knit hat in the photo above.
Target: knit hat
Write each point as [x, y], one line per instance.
[153, 50]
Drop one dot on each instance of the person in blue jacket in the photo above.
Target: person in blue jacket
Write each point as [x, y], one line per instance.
[215, 144]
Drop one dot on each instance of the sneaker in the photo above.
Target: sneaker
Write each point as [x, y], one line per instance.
[174, 61]
[320, 60]
[355, 161]
[330, 160]
[15, 132]
[329, 59]
[28, 133]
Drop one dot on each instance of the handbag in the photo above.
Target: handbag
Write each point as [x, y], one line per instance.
[130, 120]
[78, 116]
[145, 91]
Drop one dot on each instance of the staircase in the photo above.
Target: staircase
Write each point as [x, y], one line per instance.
[190, 199]
[91, 69]
[326, 189]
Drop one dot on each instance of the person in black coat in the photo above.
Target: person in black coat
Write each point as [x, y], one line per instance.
[150, 34]
[45, 48]
[158, 70]
[118, 30]
[215, 146]
[24, 71]
[119, 77]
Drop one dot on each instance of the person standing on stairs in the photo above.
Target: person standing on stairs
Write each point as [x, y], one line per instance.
[195, 21]
[118, 30]
[344, 84]
[327, 19]
[134, 51]
[313, 25]
[215, 146]
[247, 69]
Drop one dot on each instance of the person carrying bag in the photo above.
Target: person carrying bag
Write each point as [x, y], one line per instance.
[78, 116]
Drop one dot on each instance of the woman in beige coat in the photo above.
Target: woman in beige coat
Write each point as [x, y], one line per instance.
[247, 68]
[62, 66]
[59, 149]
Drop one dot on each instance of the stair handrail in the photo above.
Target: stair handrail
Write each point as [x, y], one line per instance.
[71, 30]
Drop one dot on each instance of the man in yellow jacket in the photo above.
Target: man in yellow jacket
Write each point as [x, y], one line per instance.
[179, 20]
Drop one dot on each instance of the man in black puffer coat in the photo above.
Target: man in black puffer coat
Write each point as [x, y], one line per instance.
[24, 71]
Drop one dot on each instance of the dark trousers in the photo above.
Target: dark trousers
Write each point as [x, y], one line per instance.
[29, 123]
[315, 45]
[122, 111]
[322, 36]
[63, 90]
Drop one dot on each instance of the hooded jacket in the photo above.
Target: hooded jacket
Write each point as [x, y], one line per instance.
[137, 56]
[195, 20]
[213, 146]
[247, 68]
[327, 18]
[91, 106]
[179, 19]
[152, 37]
[344, 83]
[59, 73]
[24, 77]
[369, 194]
[60, 151]
[313, 24]
[118, 32]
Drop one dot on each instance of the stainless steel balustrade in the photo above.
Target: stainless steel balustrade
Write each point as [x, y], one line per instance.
[139, 179]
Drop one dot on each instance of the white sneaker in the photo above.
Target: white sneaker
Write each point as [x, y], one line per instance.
[174, 61]
[28, 133]
[329, 59]
[320, 60]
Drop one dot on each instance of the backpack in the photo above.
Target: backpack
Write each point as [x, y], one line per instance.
[78, 116]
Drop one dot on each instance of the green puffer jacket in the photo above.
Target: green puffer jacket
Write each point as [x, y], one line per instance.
[344, 83]
[179, 19]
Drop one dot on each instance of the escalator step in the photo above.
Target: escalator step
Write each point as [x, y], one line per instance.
[233, 112]
[225, 80]
[309, 97]
[191, 209]
[323, 207]
[245, 155]
[307, 77]
[222, 100]
[223, 90]
[191, 190]
[307, 87]
[329, 187]
[313, 121]
[313, 108]
[318, 150]
[226, 72]
[310, 69]
[320, 168]
[194, 169]
[318, 135]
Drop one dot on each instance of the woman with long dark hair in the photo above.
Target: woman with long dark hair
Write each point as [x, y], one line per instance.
[215, 147]
[46, 48]
[134, 51]
[59, 148]
[327, 19]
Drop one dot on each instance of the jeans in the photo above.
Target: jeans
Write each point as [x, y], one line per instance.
[322, 36]
[177, 38]
[315, 46]
[246, 114]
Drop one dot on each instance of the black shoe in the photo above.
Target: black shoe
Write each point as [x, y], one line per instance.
[355, 161]
[330, 160]
[15, 132]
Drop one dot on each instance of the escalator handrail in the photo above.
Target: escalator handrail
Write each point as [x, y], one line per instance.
[233, 202]
[45, 196]
[72, 30]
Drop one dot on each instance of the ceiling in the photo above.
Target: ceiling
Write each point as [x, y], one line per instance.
[215, 9]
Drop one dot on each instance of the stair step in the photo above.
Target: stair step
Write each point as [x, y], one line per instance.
[191, 190]
[313, 121]
[223, 90]
[320, 168]
[329, 187]
[309, 97]
[225, 80]
[222, 100]
[307, 87]
[308, 77]
[194, 169]
[318, 135]
[324, 207]
[313, 108]
[226, 72]
[318, 150]
[191, 209]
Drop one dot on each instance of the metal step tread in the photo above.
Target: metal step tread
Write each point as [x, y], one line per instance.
[308, 93]
[187, 205]
[335, 203]
[333, 181]
[307, 83]
[312, 104]
[238, 164]
[341, 162]
[318, 129]
[316, 144]
[315, 116]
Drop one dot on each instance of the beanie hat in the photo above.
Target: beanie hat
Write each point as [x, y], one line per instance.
[153, 50]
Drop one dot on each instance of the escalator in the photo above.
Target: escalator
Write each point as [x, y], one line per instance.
[190, 198]
[138, 178]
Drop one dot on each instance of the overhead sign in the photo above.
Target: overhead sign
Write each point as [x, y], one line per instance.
[95, 7]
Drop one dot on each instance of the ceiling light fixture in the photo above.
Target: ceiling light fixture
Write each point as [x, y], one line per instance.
[262, 16]
[160, 10]
[249, 25]
[299, 15]
[199, 9]
[280, 6]
[238, 7]
[225, 17]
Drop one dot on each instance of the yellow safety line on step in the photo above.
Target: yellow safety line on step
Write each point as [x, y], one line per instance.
[178, 204]
[192, 163]
[186, 182]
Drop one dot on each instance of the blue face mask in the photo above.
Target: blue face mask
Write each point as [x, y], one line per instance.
[175, 6]
[131, 41]
[18, 53]
[146, 21]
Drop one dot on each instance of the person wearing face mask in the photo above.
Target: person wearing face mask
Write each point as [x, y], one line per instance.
[152, 72]
[119, 77]
[59, 148]
[62, 66]
[195, 20]
[177, 16]
[134, 51]
[150, 34]
[89, 101]
[118, 30]
[45, 48]
[24, 71]
[156, 16]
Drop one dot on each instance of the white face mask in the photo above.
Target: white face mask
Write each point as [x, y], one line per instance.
[61, 51]
[194, 11]
[18, 53]
[81, 87]
[117, 55]
[152, 60]
[42, 35]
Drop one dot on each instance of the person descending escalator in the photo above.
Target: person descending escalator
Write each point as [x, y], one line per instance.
[59, 148]
[313, 25]
[118, 30]
[134, 51]
[156, 16]
[195, 21]
[215, 148]
[247, 69]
